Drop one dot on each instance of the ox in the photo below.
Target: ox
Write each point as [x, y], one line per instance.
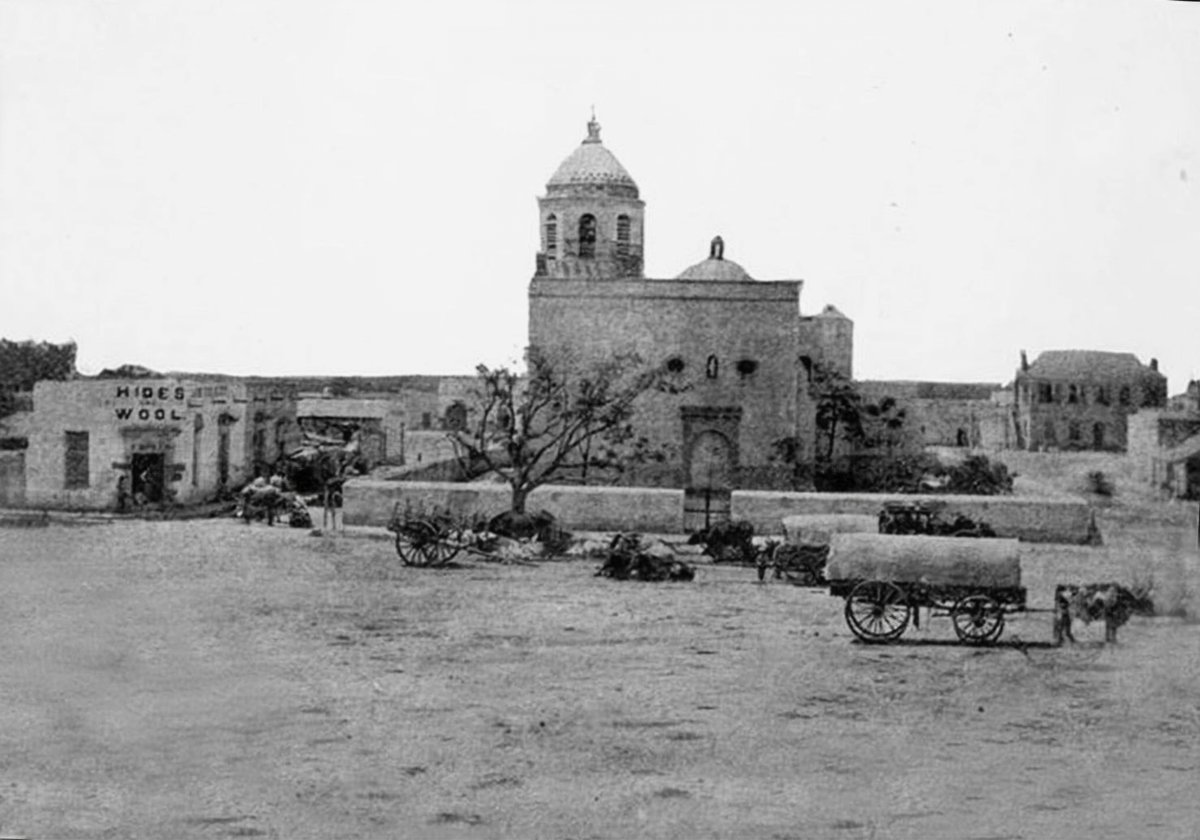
[1110, 602]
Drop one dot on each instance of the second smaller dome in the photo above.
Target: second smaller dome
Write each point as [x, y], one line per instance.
[716, 267]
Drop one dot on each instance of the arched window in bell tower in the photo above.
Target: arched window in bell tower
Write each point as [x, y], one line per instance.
[587, 236]
[623, 235]
[552, 235]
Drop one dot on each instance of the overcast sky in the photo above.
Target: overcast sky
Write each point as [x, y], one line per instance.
[319, 187]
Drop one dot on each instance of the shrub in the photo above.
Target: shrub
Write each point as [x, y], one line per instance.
[977, 476]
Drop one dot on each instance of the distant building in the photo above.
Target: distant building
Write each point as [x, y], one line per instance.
[739, 349]
[1082, 399]
[975, 415]
[377, 423]
[170, 439]
[1164, 445]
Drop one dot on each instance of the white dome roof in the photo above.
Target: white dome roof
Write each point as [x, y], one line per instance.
[591, 166]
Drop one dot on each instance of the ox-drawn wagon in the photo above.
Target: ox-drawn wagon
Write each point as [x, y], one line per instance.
[887, 579]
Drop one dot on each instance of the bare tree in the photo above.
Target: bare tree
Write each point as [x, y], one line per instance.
[560, 421]
[839, 408]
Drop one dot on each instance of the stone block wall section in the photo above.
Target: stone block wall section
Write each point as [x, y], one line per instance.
[1027, 519]
[655, 510]
[645, 509]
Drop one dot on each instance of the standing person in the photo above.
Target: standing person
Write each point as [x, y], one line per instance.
[122, 493]
[333, 517]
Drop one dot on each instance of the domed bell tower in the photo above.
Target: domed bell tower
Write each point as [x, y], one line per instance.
[591, 218]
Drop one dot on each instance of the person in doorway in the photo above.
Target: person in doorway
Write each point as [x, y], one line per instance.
[149, 491]
[122, 493]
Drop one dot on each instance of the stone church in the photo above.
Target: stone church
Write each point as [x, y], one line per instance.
[739, 348]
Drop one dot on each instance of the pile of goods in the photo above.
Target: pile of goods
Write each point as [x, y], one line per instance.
[631, 557]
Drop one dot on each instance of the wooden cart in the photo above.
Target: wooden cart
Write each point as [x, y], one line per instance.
[426, 538]
[887, 579]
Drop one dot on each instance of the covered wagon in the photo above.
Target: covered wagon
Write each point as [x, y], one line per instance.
[886, 579]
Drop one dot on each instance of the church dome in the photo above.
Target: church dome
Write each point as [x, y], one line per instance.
[716, 267]
[592, 166]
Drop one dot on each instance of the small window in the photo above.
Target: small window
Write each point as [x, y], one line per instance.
[746, 367]
[675, 365]
[711, 367]
[1073, 433]
[587, 236]
[426, 420]
[623, 236]
[1045, 392]
[552, 236]
[1098, 441]
[1123, 395]
[77, 460]
[456, 417]
[1102, 395]
[1072, 394]
[807, 363]
[1050, 434]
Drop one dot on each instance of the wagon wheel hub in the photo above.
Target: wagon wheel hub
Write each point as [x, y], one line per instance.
[877, 611]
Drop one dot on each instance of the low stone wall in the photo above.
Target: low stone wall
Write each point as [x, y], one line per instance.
[1028, 519]
[646, 509]
[656, 510]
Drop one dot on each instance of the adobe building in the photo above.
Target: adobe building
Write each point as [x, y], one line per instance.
[1082, 399]
[738, 349]
[379, 424]
[174, 440]
[974, 415]
[1164, 445]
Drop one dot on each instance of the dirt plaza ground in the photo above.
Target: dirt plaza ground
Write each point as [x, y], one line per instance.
[206, 679]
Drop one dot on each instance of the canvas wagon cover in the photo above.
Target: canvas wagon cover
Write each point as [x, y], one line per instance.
[936, 561]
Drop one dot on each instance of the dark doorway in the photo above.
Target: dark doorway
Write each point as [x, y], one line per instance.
[223, 459]
[148, 477]
[961, 437]
[708, 496]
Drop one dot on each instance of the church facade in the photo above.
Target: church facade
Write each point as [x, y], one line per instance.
[738, 350]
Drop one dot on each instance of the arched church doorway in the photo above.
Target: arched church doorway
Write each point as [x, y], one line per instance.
[710, 460]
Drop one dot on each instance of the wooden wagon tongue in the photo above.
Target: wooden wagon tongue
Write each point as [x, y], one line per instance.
[936, 561]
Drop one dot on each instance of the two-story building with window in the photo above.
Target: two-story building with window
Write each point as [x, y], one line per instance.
[1082, 399]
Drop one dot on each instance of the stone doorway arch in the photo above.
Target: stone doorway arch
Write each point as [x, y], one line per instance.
[710, 466]
[710, 458]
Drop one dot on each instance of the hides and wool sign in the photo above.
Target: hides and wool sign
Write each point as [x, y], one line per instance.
[148, 403]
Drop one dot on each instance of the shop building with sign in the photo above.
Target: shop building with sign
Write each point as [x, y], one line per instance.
[154, 441]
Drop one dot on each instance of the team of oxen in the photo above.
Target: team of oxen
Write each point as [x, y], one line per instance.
[1108, 602]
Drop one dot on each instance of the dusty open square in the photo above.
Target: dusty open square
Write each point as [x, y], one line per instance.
[207, 680]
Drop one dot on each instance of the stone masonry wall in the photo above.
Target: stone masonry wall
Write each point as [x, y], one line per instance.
[730, 322]
[1028, 519]
[652, 510]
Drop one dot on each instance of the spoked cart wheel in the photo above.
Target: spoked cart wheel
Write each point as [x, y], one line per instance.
[978, 619]
[416, 544]
[438, 550]
[877, 611]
